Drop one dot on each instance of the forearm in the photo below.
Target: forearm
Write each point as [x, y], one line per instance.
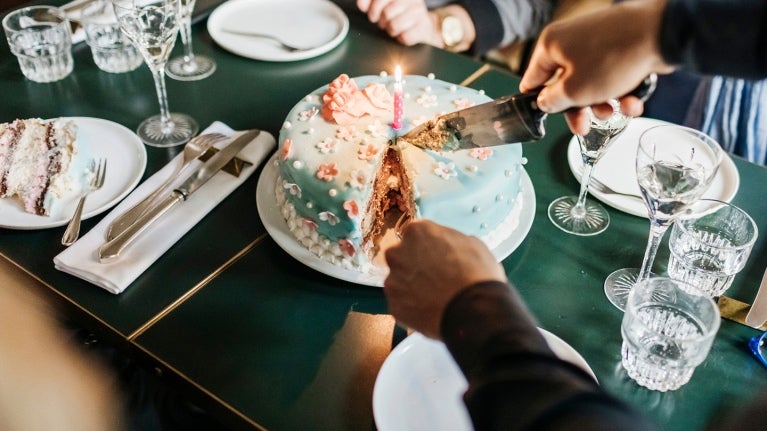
[716, 37]
[515, 381]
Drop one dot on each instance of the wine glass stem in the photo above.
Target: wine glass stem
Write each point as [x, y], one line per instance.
[158, 73]
[579, 210]
[186, 38]
[657, 230]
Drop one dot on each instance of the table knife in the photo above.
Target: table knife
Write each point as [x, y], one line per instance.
[757, 315]
[111, 249]
[508, 119]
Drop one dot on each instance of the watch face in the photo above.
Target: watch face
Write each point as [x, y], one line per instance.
[452, 31]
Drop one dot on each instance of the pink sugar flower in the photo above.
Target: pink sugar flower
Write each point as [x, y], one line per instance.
[329, 217]
[358, 179]
[352, 209]
[367, 153]
[308, 114]
[347, 247]
[327, 145]
[347, 133]
[481, 153]
[445, 171]
[326, 172]
[463, 103]
[286, 149]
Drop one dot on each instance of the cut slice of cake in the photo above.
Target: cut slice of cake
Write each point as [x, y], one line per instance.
[35, 160]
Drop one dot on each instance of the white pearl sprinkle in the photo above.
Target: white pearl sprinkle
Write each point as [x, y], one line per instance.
[308, 98]
[499, 198]
[276, 162]
[309, 205]
[453, 88]
[481, 92]
[310, 131]
[524, 160]
[407, 95]
[332, 192]
[476, 209]
[472, 168]
[383, 74]
[508, 172]
[483, 226]
[286, 125]
[427, 89]
[298, 164]
[430, 76]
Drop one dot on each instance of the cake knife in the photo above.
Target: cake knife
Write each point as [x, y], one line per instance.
[112, 248]
[508, 119]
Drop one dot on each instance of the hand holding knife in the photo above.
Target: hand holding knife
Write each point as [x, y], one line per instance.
[111, 249]
[508, 119]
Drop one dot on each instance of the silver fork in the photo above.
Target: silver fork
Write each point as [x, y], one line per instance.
[284, 45]
[98, 173]
[603, 188]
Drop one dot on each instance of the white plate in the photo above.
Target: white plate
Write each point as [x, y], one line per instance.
[278, 229]
[420, 387]
[318, 24]
[126, 161]
[617, 170]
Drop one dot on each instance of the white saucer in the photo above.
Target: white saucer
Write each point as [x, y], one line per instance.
[278, 229]
[617, 170]
[126, 161]
[420, 387]
[319, 24]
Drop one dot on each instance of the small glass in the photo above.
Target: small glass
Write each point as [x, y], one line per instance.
[41, 40]
[711, 246]
[112, 51]
[667, 332]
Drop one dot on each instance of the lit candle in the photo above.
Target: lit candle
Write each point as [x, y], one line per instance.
[398, 102]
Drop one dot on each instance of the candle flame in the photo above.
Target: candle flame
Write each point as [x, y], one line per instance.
[398, 73]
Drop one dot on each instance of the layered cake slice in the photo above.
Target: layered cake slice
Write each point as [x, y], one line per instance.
[35, 161]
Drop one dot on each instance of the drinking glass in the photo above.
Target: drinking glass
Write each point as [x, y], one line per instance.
[674, 167]
[576, 214]
[189, 67]
[667, 332]
[711, 246]
[40, 38]
[152, 25]
[112, 51]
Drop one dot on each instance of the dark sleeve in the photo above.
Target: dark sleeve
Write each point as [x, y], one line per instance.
[515, 381]
[716, 37]
[488, 24]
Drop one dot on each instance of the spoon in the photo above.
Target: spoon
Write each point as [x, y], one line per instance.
[193, 149]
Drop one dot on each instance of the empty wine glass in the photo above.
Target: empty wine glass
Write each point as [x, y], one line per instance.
[576, 214]
[189, 67]
[152, 25]
[674, 167]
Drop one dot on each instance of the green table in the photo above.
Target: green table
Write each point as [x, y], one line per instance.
[265, 342]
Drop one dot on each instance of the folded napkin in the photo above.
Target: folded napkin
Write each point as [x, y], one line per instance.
[81, 258]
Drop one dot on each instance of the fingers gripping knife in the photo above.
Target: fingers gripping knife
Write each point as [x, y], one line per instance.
[508, 119]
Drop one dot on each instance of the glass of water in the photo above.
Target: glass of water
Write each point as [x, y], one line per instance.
[189, 67]
[667, 332]
[40, 38]
[112, 51]
[710, 246]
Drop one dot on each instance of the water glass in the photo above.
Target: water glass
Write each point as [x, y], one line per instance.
[112, 51]
[41, 40]
[667, 332]
[709, 248]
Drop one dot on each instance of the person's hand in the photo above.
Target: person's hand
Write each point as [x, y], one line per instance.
[407, 21]
[428, 268]
[591, 58]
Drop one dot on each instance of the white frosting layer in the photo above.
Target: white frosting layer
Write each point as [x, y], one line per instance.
[327, 170]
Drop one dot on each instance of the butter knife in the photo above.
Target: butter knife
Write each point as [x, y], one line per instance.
[112, 249]
[757, 315]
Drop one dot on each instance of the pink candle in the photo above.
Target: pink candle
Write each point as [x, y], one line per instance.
[398, 102]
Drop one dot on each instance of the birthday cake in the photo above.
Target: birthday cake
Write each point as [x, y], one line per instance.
[342, 168]
[35, 163]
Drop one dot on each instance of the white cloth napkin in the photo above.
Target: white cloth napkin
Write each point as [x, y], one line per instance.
[81, 258]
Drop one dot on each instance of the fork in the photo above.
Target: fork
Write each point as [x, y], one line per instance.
[603, 188]
[98, 172]
[284, 45]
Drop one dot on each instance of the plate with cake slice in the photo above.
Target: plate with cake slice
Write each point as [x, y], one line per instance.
[44, 168]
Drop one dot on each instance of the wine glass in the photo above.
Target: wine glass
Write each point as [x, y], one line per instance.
[576, 214]
[152, 25]
[674, 167]
[189, 67]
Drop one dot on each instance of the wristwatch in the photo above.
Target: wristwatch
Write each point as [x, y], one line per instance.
[451, 29]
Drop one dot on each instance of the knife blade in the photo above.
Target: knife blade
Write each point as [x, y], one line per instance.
[112, 248]
[508, 119]
[757, 315]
